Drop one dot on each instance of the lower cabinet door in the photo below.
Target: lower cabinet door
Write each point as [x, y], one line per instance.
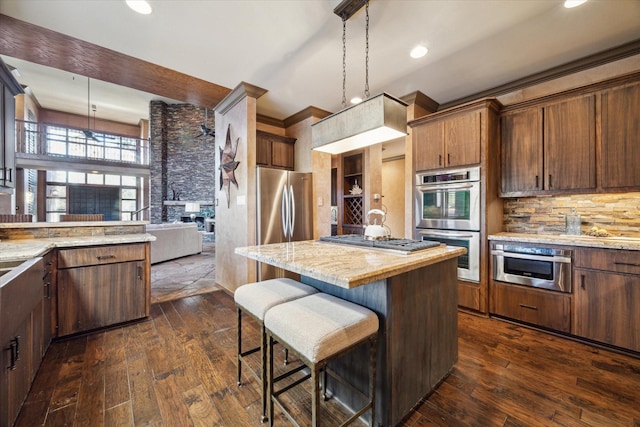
[606, 307]
[98, 296]
[539, 307]
[15, 378]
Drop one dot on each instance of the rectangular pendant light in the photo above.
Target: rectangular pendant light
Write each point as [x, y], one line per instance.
[377, 119]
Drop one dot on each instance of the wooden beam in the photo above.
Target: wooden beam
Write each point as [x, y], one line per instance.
[42, 46]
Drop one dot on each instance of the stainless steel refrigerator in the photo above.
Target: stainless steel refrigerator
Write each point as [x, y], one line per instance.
[284, 209]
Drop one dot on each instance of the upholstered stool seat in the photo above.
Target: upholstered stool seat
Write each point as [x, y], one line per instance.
[318, 329]
[255, 299]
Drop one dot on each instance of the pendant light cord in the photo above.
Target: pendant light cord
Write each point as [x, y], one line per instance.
[344, 62]
[366, 64]
[89, 103]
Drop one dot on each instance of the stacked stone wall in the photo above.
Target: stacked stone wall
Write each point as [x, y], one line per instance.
[182, 162]
[617, 213]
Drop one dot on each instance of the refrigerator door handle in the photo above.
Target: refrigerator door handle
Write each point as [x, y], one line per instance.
[292, 211]
[284, 212]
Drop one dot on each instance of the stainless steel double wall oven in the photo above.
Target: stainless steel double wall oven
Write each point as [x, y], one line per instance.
[448, 211]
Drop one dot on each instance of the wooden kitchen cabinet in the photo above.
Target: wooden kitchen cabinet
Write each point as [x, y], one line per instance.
[535, 306]
[428, 138]
[463, 136]
[448, 141]
[21, 338]
[549, 148]
[607, 291]
[353, 216]
[102, 286]
[49, 311]
[275, 151]
[570, 145]
[9, 88]
[620, 133]
[521, 151]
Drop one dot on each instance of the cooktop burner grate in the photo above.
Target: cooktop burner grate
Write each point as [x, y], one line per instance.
[402, 245]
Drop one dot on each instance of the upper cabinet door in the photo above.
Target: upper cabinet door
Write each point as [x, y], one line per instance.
[521, 152]
[274, 151]
[621, 137]
[429, 146]
[463, 134]
[570, 145]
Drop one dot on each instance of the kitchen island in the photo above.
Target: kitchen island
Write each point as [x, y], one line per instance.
[415, 297]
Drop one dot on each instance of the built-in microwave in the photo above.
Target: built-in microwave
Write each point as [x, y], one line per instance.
[540, 267]
[448, 200]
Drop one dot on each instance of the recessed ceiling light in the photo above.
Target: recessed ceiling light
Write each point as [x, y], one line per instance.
[418, 52]
[573, 3]
[356, 100]
[141, 6]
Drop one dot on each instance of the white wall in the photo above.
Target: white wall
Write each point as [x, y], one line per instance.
[393, 196]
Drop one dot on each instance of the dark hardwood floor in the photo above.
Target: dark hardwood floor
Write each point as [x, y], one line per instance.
[178, 369]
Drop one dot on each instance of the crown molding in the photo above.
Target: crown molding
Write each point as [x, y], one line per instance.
[591, 61]
[243, 90]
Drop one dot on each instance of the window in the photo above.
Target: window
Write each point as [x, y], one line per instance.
[79, 143]
[116, 196]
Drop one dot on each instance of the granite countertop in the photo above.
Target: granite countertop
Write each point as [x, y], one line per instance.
[343, 265]
[70, 224]
[24, 249]
[612, 242]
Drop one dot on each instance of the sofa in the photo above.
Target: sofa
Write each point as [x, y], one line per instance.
[174, 240]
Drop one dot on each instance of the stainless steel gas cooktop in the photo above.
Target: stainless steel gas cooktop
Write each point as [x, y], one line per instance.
[392, 244]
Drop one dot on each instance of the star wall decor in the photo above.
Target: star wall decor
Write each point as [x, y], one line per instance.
[228, 165]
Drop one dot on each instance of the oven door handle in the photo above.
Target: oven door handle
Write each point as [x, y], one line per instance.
[532, 257]
[429, 188]
[446, 235]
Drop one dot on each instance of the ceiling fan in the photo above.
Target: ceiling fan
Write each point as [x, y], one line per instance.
[204, 129]
[88, 133]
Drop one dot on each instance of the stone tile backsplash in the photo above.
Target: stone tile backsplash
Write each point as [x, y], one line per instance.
[619, 213]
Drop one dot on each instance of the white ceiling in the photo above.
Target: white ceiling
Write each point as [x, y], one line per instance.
[293, 48]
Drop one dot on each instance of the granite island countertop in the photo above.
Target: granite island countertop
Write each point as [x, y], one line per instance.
[343, 265]
[611, 242]
[71, 224]
[25, 249]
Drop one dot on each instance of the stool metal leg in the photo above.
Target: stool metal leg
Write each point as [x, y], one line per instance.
[270, 378]
[315, 401]
[239, 322]
[263, 352]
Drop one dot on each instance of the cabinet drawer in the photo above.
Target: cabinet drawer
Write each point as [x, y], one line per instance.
[539, 307]
[97, 255]
[616, 260]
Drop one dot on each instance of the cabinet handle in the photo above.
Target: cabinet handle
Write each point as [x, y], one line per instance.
[550, 185]
[17, 347]
[531, 307]
[105, 256]
[448, 159]
[12, 349]
[582, 285]
[537, 183]
[7, 172]
[439, 159]
[628, 264]
[47, 286]
[140, 273]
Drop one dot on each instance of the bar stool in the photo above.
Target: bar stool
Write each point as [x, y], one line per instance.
[254, 299]
[319, 329]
